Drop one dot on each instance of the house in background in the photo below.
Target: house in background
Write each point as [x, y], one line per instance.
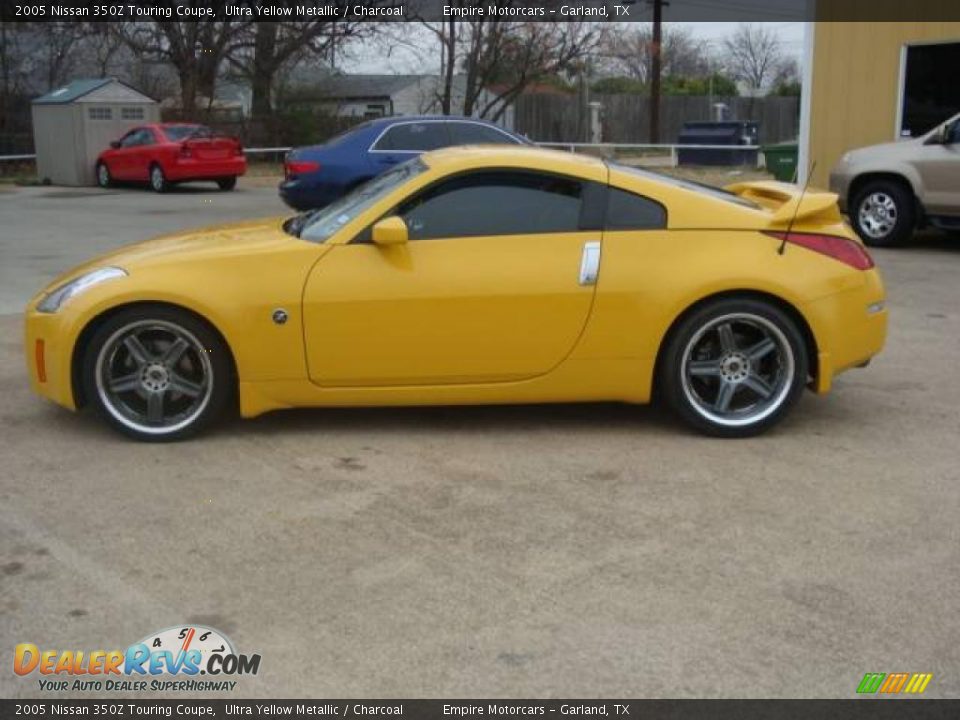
[873, 82]
[373, 96]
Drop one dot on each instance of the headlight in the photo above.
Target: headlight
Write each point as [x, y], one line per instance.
[53, 300]
[846, 158]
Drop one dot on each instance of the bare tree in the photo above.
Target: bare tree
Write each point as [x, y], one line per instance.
[626, 51]
[486, 64]
[195, 49]
[263, 49]
[753, 55]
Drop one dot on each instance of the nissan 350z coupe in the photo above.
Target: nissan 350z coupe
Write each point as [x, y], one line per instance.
[473, 275]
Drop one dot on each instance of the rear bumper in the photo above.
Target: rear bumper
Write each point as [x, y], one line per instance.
[301, 194]
[850, 328]
[193, 169]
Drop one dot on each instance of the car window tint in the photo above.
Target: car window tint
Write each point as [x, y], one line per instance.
[463, 133]
[495, 203]
[135, 138]
[176, 133]
[626, 211]
[419, 137]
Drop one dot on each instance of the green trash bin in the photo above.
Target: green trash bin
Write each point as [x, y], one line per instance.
[782, 160]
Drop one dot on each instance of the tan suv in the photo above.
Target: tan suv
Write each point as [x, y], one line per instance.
[890, 190]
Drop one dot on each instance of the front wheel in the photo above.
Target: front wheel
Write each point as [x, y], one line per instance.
[227, 183]
[734, 367]
[157, 373]
[103, 175]
[158, 181]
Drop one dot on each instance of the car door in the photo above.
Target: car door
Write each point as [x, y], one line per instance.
[402, 141]
[495, 284]
[142, 154]
[121, 158]
[939, 168]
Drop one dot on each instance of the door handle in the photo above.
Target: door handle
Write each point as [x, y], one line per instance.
[590, 263]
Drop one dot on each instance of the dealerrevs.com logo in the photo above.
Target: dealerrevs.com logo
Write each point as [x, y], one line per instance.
[169, 660]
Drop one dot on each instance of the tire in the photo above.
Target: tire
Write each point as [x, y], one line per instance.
[158, 181]
[157, 374]
[735, 382]
[103, 175]
[883, 213]
[227, 183]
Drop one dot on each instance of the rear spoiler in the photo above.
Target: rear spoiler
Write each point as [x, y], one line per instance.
[788, 202]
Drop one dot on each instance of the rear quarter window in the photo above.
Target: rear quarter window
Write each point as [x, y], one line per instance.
[627, 211]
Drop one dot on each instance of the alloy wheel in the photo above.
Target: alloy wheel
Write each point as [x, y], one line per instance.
[737, 369]
[154, 376]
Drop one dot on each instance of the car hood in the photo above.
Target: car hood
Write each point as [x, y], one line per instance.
[885, 151]
[216, 241]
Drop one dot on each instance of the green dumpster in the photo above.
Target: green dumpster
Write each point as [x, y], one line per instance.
[782, 160]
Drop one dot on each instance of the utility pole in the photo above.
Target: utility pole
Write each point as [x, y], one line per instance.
[655, 66]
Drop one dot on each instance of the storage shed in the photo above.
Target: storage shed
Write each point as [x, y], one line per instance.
[73, 124]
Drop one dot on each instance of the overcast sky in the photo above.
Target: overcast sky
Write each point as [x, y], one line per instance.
[419, 53]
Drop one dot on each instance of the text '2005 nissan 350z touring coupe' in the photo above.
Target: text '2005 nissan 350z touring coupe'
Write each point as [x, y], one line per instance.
[473, 275]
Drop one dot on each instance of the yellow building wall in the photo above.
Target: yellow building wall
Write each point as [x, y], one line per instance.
[856, 83]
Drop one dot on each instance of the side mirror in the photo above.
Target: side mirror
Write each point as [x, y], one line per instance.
[390, 231]
[115, 144]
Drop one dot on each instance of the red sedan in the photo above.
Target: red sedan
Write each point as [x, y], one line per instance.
[166, 153]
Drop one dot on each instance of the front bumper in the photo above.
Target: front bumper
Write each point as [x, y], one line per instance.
[840, 184]
[48, 348]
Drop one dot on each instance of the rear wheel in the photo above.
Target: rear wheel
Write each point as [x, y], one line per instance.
[158, 181]
[227, 183]
[156, 373]
[734, 367]
[883, 213]
[103, 175]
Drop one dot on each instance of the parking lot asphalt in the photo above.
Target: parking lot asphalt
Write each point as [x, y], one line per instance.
[573, 551]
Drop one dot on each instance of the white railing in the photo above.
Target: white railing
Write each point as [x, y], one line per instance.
[668, 149]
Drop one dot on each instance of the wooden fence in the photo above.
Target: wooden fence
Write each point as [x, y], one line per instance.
[626, 118]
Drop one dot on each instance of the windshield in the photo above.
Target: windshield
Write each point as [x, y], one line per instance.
[712, 191]
[319, 225]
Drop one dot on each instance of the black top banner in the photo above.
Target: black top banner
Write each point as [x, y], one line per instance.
[473, 10]
[865, 709]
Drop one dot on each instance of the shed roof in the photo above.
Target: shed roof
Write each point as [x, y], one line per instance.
[77, 89]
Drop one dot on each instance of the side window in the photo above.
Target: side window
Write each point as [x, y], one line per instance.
[141, 136]
[953, 133]
[463, 133]
[626, 211]
[495, 203]
[419, 137]
[130, 139]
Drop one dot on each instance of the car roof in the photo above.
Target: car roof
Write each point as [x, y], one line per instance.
[519, 156]
[394, 119]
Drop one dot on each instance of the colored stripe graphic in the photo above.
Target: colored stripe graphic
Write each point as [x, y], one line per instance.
[871, 683]
[918, 683]
[914, 683]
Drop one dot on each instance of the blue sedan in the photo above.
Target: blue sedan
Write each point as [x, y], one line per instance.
[319, 174]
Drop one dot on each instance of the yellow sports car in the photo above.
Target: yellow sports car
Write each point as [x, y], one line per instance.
[473, 275]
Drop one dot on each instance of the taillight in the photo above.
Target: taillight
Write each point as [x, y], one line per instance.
[839, 248]
[238, 150]
[299, 167]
